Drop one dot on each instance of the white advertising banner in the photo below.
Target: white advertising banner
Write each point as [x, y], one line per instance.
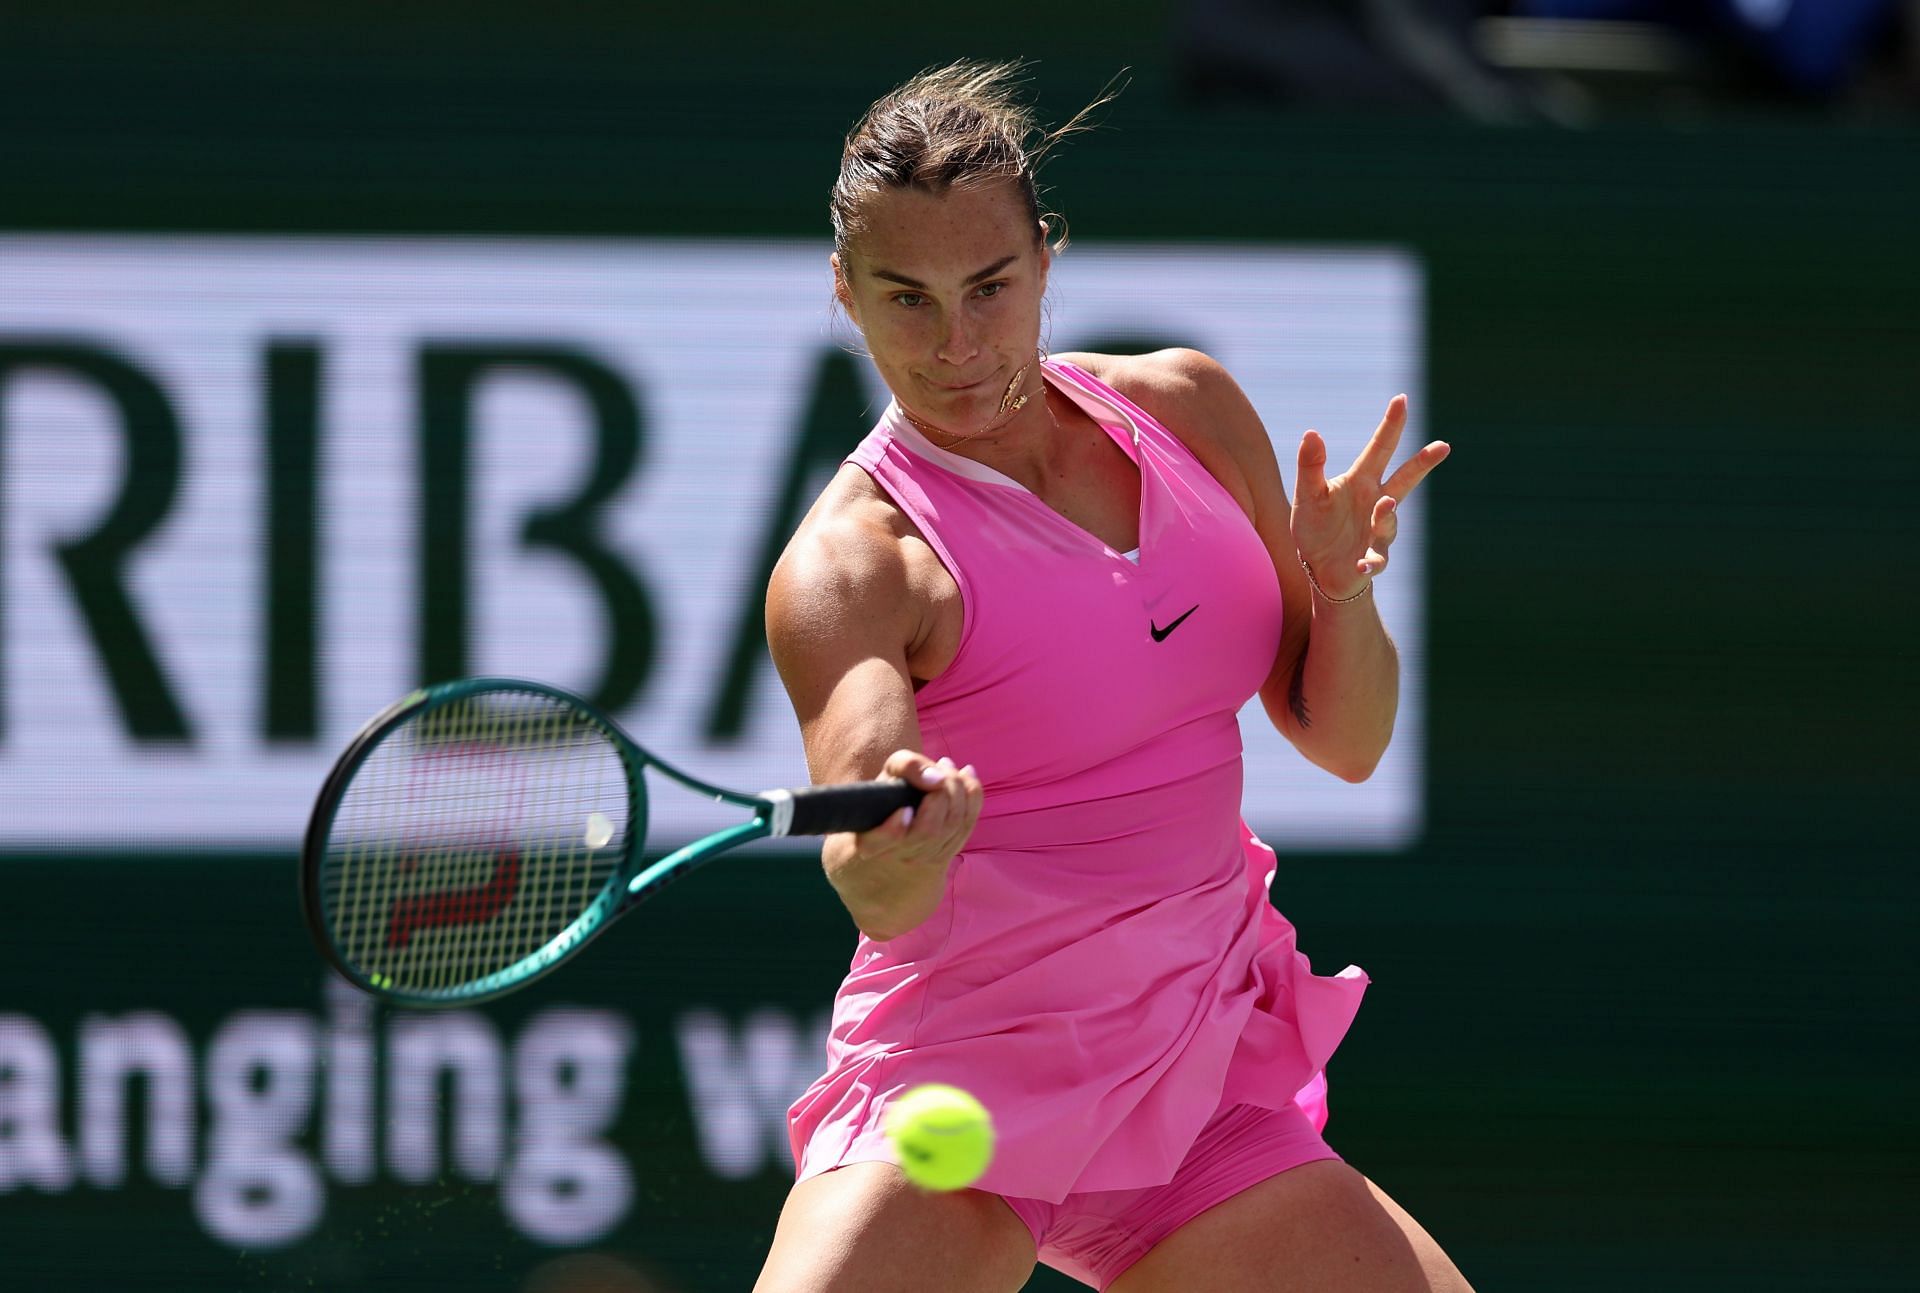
[252, 490]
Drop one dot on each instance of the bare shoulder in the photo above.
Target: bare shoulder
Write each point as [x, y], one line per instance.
[1193, 395]
[844, 615]
[845, 562]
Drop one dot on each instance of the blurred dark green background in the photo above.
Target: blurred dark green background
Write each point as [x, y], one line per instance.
[1644, 994]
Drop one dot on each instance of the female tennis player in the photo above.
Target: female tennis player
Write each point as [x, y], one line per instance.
[1060, 578]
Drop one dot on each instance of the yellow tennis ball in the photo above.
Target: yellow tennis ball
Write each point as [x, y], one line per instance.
[944, 1136]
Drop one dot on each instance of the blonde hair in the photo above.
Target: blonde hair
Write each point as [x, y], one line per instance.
[960, 125]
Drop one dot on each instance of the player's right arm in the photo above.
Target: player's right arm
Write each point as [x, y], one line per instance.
[842, 621]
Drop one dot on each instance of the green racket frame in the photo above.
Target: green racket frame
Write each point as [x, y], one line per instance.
[827, 808]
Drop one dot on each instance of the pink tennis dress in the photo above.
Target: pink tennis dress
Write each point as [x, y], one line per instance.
[1104, 971]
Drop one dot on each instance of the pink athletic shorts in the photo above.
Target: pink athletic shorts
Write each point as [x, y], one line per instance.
[1094, 1236]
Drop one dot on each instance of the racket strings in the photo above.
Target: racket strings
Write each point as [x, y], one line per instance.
[475, 834]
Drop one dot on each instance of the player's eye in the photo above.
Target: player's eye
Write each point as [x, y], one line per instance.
[991, 289]
[908, 299]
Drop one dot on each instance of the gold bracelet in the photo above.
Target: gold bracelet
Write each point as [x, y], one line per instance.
[1334, 601]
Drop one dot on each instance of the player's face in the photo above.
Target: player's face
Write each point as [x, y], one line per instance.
[946, 289]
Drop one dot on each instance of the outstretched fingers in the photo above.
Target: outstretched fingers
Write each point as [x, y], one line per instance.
[1310, 482]
[1378, 455]
[1415, 469]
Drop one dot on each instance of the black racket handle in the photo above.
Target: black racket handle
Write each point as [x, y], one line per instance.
[822, 810]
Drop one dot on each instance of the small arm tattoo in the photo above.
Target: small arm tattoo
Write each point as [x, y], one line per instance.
[1297, 696]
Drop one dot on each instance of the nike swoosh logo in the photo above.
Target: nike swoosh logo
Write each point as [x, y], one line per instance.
[1160, 634]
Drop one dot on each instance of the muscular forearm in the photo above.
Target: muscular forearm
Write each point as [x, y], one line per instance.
[1347, 689]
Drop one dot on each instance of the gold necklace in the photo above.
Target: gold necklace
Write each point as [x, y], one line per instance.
[1009, 406]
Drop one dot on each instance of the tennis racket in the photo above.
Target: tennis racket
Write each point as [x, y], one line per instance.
[478, 833]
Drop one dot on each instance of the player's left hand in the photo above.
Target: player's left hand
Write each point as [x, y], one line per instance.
[1343, 527]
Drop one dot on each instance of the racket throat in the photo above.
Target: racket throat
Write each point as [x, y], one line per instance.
[682, 860]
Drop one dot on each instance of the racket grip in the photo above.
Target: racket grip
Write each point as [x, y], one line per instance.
[822, 810]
